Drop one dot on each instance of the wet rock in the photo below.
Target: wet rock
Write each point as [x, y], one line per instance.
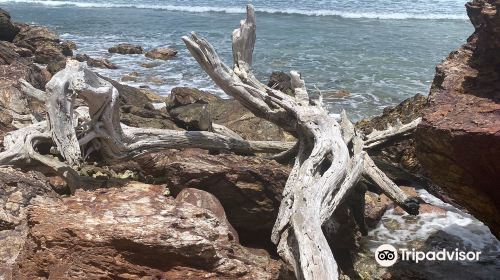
[68, 47]
[249, 188]
[150, 64]
[458, 142]
[157, 80]
[17, 191]
[126, 49]
[281, 81]
[375, 207]
[336, 94]
[98, 63]
[128, 78]
[227, 112]
[161, 53]
[208, 201]
[134, 232]
[7, 29]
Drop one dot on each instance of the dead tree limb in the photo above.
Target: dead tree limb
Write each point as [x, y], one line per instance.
[325, 169]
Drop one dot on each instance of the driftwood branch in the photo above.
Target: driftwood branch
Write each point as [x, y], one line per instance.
[325, 169]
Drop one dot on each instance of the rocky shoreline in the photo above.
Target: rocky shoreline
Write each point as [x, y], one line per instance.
[196, 214]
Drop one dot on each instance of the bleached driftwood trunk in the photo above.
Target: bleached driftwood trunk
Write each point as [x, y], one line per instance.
[72, 134]
[325, 169]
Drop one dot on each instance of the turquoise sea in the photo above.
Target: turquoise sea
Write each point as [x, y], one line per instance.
[380, 51]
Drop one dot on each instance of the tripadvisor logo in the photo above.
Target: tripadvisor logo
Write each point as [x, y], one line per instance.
[386, 255]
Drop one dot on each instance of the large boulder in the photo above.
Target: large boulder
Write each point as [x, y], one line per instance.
[126, 49]
[249, 188]
[209, 202]
[17, 191]
[8, 30]
[189, 107]
[135, 232]
[458, 142]
[161, 53]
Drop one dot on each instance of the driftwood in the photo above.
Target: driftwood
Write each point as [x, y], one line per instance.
[325, 169]
[72, 134]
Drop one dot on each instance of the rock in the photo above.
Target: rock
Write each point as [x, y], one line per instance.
[126, 49]
[48, 53]
[7, 29]
[98, 63]
[57, 66]
[134, 232]
[146, 117]
[17, 191]
[33, 37]
[208, 201]
[227, 112]
[128, 78]
[150, 64]
[249, 188]
[161, 53]
[375, 207]
[181, 96]
[281, 81]
[5, 126]
[134, 96]
[458, 142]
[157, 80]
[336, 94]
[7, 53]
[68, 47]
[22, 108]
[101, 63]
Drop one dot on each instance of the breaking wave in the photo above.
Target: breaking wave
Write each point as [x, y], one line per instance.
[238, 10]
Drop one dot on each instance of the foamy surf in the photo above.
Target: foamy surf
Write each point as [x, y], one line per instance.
[240, 10]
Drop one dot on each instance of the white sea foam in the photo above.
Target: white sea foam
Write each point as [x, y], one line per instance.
[239, 10]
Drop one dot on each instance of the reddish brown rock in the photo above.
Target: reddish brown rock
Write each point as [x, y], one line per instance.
[459, 138]
[375, 207]
[209, 202]
[249, 188]
[135, 232]
[17, 191]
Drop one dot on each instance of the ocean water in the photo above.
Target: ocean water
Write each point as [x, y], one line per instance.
[380, 51]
